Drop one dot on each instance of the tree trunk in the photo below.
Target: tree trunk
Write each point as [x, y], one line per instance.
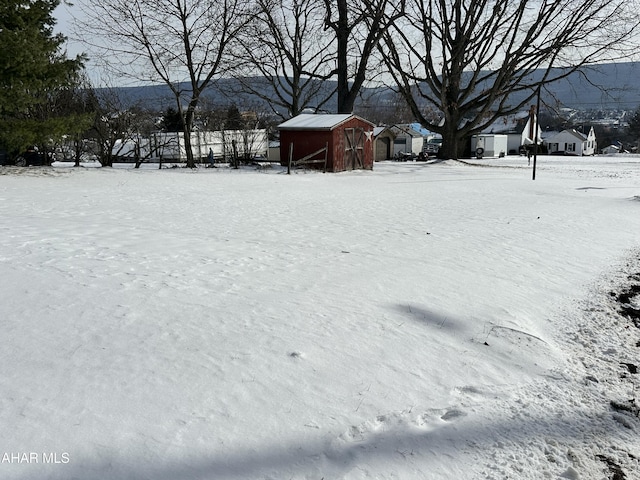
[77, 150]
[187, 127]
[137, 154]
[342, 38]
[451, 143]
[191, 163]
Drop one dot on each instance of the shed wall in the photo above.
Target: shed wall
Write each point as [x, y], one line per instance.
[306, 142]
[383, 147]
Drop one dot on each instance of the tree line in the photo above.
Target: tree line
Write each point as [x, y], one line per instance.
[454, 64]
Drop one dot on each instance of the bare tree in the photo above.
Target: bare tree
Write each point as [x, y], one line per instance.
[358, 28]
[116, 124]
[291, 54]
[185, 44]
[297, 45]
[384, 109]
[478, 60]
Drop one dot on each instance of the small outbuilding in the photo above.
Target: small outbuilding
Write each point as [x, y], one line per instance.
[408, 139]
[489, 145]
[333, 142]
[383, 138]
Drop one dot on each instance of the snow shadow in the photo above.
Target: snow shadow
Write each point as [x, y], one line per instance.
[428, 317]
[332, 457]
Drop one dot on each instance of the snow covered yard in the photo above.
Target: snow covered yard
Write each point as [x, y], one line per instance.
[421, 321]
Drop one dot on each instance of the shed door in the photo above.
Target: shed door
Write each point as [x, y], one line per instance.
[353, 148]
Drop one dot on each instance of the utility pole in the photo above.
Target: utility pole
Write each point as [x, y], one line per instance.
[535, 133]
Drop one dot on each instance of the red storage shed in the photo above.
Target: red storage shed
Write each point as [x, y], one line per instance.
[339, 141]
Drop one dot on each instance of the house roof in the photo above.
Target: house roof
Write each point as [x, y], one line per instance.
[406, 129]
[581, 136]
[310, 121]
[549, 134]
[420, 129]
[510, 124]
[381, 129]
[572, 132]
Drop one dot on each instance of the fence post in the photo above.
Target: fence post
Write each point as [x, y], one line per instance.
[326, 154]
[290, 158]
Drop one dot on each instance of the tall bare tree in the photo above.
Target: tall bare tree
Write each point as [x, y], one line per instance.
[185, 44]
[478, 60]
[117, 123]
[291, 54]
[358, 27]
[296, 45]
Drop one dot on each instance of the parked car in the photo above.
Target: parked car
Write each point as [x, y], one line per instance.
[29, 157]
[404, 156]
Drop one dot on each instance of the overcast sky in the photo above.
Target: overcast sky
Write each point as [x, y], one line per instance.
[64, 15]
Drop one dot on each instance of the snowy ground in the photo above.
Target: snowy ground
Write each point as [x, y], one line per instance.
[421, 321]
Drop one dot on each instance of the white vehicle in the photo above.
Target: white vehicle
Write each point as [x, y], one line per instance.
[432, 146]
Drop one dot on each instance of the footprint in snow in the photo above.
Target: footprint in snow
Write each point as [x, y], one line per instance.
[433, 418]
[453, 414]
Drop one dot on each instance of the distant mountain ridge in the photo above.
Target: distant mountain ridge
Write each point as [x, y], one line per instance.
[607, 86]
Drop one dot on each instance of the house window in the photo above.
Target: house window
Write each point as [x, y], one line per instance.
[569, 147]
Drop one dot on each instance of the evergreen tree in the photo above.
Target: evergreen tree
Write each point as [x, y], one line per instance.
[172, 121]
[33, 70]
[234, 119]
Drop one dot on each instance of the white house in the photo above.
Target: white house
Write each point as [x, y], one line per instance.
[520, 129]
[572, 142]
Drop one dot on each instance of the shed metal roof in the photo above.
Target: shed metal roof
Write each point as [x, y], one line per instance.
[310, 121]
